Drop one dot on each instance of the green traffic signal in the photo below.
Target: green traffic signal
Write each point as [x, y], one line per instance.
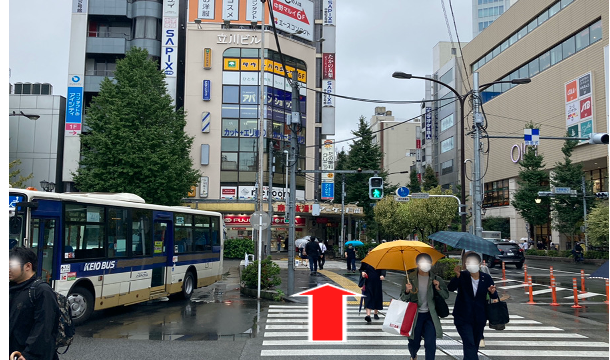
[376, 193]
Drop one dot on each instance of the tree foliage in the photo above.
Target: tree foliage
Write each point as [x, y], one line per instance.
[414, 185]
[597, 225]
[136, 141]
[340, 165]
[429, 179]
[568, 210]
[532, 179]
[492, 223]
[14, 177]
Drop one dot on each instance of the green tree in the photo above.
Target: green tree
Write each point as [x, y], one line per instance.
[532, 179]
[414, 185]
[492, 223]
[14, 177]
[597, 225]
[366, 155]
[136, 141]
[429, 179]
[568, 210]
[433, 214]
[393, 218]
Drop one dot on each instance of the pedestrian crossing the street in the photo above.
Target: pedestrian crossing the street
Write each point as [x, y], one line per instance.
[285, 335]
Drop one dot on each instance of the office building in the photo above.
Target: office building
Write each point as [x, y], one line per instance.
[485, 12]
[562, 46]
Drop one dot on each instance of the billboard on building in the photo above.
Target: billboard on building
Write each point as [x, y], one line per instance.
[169, 45]
[579, 106]
[328, 12]
[328, 166]
[328, 66]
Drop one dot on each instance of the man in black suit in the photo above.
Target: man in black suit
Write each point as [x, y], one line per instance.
[469, 314]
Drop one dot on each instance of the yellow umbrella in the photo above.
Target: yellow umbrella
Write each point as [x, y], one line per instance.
[399, 255]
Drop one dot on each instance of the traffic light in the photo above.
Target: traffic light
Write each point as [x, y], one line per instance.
[598, 138]
[601, 195]
[376, 188]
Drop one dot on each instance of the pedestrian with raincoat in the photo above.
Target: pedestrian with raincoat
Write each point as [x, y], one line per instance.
[419, 288]
[372, 291]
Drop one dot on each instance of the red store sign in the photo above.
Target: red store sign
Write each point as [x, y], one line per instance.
[328, 66]
[244, 220]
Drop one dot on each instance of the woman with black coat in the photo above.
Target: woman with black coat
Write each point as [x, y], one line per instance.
[469, 314]
[372, 290]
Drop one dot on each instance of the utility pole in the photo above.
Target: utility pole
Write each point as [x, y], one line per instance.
[584, 209]
[261, 129]
[478, 121]
[341, 240]
[295, 121]
[271, 155]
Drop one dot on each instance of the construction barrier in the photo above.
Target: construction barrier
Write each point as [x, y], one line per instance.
[575, 288]
[525, 273]
[503, 271]
[529, 283]
[554, 292]
[551, 271]
[607, 292]
[582, 281]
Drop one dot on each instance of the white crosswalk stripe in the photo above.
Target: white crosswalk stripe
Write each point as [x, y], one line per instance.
[285, 328]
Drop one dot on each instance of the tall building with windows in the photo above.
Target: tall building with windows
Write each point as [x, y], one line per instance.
[485, 12]
[440, 129]
[397, 140]
[562, 46]
[102, 31]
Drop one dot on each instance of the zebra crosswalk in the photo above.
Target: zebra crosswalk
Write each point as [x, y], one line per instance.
[285, 335]
[543, 289]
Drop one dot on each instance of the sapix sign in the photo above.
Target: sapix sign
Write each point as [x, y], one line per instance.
[169, 53]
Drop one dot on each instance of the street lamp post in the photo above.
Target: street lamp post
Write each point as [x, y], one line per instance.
[461, 98]
[29, 116]
[47, 186]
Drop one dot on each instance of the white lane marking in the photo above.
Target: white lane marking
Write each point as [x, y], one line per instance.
[512, 286]
[500, 279]
[379, 327]
[346, 352]
[545, 353]
[522, 343]
[305, 315]
[349, 333]
[285, 311]
[544, 291]
[511, 321]
[584, 296]
[502, 334]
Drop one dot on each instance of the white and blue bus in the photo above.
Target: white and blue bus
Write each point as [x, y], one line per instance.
[103, 250]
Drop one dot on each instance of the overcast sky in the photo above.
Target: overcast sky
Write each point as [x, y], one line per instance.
[374, 39]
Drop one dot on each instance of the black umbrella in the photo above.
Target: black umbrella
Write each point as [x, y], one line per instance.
[601, 273]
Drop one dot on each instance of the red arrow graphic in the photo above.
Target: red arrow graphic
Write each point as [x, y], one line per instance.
[290, 11]
[327, 312]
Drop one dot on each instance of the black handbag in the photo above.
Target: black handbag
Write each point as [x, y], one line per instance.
[442, 310]
[361, 282]
[497, 314]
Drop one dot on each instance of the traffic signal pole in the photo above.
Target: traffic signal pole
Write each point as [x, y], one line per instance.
[341, 239]
[295, 122]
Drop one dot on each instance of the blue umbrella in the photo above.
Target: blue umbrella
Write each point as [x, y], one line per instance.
[463, 240]
[601, 273]
[354, 243]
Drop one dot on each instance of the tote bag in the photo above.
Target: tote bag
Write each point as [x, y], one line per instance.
[400, 317]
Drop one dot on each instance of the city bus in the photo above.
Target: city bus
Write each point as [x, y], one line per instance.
[103, 250]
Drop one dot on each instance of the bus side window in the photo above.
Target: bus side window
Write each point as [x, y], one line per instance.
[141, 228]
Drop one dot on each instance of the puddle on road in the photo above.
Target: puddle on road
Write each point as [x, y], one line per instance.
[216, 312]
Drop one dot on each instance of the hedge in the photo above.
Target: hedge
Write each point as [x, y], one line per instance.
[444, 268]
[591, 254]
[237, 248]
[361, 251]
[269, 274]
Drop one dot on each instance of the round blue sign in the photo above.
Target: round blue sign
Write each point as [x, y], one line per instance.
[402, 191]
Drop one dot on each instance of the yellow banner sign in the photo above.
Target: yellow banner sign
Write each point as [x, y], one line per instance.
[231, 64]
[207, 58]
[250, 64]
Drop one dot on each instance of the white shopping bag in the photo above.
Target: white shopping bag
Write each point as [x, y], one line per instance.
[400, 317]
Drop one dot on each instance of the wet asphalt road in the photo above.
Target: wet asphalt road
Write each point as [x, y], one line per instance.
[219, 323]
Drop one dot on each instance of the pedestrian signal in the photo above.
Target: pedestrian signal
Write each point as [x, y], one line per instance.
[376, 188]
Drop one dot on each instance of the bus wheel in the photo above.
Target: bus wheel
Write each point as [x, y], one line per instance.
[188, 285]
[81, 303]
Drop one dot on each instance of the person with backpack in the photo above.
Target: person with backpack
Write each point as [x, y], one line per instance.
[34, 312]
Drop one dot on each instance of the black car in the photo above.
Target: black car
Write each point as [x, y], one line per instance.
[510, 253]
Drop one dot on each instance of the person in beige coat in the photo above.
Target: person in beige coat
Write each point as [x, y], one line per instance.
[419, 288]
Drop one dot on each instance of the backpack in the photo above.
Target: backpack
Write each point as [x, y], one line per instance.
[65, 327]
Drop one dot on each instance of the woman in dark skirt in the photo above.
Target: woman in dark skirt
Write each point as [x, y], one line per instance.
[372, 290]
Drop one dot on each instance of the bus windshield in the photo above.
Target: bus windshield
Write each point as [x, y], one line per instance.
[16, 221]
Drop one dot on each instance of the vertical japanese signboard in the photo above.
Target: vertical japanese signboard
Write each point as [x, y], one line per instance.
[328, 66]
[206, 9]
[206, 90]
[230, 9]
[203, 186]
[328, 12]
[328, 166]
[169, 50]
[74, 106]
[207, 59]
[254, 10]
[328, 86]
[428, 123]
[579, 106]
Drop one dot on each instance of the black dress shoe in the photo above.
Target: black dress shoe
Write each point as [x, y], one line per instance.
[367, 318]
[376, 317]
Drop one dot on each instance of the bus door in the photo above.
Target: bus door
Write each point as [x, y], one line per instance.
[162, 233]
[44, 237]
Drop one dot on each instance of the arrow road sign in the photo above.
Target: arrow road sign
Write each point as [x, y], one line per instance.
[402, 191]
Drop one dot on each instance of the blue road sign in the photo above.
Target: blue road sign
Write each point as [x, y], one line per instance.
[402, 191]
